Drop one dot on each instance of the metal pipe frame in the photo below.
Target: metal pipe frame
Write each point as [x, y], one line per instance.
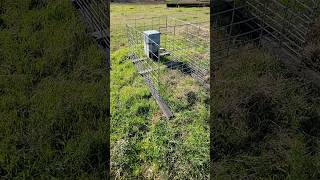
[272, 18]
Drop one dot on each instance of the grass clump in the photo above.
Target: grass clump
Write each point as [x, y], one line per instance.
[259, 121]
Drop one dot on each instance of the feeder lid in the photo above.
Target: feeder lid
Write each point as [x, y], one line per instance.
[150, 32]
[151, 36]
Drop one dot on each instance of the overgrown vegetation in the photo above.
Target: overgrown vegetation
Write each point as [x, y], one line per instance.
[266, 121]
[52, 89]
[144, 144]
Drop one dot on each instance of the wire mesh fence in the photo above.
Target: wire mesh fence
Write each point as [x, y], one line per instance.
[253, 22]
[288, 22]
[280, 27]
[138, 10]
[118, 32]
[95, 14]
[232, 27]
[181, 52]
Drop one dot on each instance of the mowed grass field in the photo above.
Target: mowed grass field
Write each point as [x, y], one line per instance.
[144, 144]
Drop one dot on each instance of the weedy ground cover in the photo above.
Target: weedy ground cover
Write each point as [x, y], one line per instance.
[266, 120]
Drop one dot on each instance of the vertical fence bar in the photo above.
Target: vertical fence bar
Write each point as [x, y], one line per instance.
[174, 34]
[262, 19]
[158, 56]
[166, 31]
[231, 27]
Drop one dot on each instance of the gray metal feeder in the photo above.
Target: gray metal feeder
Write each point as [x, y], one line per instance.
[152, 44]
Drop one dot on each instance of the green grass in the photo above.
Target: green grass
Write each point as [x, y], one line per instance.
[143, 143]
[266, 121]
[51, 87]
